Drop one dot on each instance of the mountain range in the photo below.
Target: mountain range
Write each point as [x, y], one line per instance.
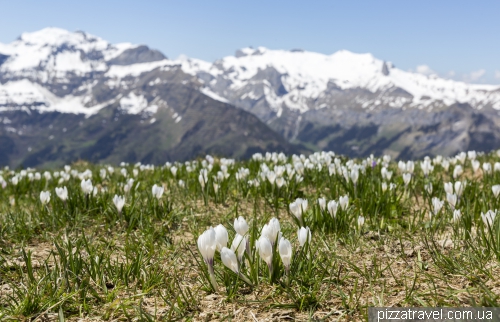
[71, 95]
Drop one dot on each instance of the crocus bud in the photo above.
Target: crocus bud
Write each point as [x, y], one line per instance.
[86, 186]
[271, 176]
[221, 236]
[354, 175]
[285, 250]
[459, 187]
[207, 245]
[304, 235]
[157, 191]
[322, 203]
[457, 172]
[437, 204]
[228, 258]
[241, 226]
[452, 199]
[265, 250]
[361, 221]
[448, 187]
[456, 215]
[45, 197]
[62, 193]
[344, 202]
[496, 190]
[332, 208]
[489, 217]
[475, 165]
[119, 202]
[298, 207]
[406, 178]
[239, 245]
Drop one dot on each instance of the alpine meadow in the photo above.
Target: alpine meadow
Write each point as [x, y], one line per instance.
[273, 238]
[248, 161]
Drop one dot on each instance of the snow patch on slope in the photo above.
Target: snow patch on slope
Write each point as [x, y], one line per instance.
[214, 96]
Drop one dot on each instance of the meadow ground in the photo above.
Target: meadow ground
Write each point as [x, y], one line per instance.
[386, 234]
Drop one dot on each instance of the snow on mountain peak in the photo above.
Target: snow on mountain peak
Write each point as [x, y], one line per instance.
[57, 50]
[297, 78]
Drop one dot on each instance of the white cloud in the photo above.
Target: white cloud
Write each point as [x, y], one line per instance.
[497, 74]
[425, 70]
[476, 75]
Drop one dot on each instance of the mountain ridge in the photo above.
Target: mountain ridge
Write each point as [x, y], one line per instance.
[350, 103]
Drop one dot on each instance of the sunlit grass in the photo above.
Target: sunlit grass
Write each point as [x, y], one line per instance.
[121, 242]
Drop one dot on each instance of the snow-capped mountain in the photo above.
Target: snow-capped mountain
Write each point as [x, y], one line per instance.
[346, 102]
[69, 95]
[301, 80]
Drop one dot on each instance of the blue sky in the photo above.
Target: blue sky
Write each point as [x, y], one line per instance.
[456, 39]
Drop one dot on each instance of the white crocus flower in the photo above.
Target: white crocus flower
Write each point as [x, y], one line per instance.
[410, 167]
[45, 197]
[62, 193]
[265, 251]
[298, 207]
[456, 215]
[489, 217]
[322, 203]
[207, 245]
[437, 204]
[271, 176]
[228, 258]
[496, 190]
[354, 175]
[285, 250]
[406, 178]
[241, 226]
[221, 236]
[475, 165]
[344, 202]
[361, 221]
[86, 186]
[426, 167]
[459, 187]
[448, 187]
[271, 230]
[457, 172]
[119, 202]
[280, 181]
[487, 168]
[332, 208]
[452, 199]
[304, 235]
[157, 191]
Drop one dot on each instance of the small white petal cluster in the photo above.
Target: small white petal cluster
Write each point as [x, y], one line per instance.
[62, 193]
[157, 191]
[45, 197]
[119, 202]
[298, 208]
[87, 186]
